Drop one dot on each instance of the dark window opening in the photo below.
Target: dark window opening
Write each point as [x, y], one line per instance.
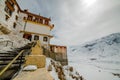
[11, 3]
[16, 17]
[6, 17]
[14, 25]
[45, 39]
[10, 12]
[27, 36]
[36, 20]
[29, 18]
[36, 37]
[7, 10]
[24, 18]
[46, 22]
[41, 21]
[52, 48]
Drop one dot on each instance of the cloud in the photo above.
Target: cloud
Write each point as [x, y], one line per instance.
[78, 21]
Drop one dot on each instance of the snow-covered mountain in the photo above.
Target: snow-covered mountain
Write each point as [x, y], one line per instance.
[108, 46]
[98, 59]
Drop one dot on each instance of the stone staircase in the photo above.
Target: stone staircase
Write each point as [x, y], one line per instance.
[7, 57]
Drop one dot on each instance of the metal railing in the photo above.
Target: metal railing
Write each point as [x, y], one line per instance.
[4, 69]
[20, 54]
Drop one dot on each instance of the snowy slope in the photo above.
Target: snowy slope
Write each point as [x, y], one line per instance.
[7, 42]
[100, 58]
[108, 46]
[67, 74]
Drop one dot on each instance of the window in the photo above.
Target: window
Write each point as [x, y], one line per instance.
[7, 10]
[29, 18]
[45, 39]
[10, 12]
[18, 11]
[36, 19]
[6, 17]
[36, 37]
[41, 21]
[27, 36]
[11, 3]
[16, 17]
[46, 22]
[24, 18]
[14, 25]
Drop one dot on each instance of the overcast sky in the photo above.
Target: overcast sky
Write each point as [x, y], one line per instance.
[77, 21]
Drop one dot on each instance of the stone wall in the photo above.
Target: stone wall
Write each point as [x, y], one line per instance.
[56, 56]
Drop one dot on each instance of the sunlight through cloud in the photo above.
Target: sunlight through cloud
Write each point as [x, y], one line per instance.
[89, 2]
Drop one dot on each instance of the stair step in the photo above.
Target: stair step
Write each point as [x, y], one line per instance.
[7, 62]
[9, 58]
[6, 56]
[9, 73]
[14, 65]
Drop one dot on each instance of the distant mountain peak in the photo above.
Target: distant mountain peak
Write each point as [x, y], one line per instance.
[106, 46]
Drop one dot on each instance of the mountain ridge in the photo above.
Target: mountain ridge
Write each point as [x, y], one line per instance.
[107, 46]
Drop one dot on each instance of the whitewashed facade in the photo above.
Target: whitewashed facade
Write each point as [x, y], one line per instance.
[29, 26]
[24, 23]
[9, 13]
[34, 27]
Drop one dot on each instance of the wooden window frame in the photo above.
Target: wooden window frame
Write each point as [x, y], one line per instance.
[30, 17]
[45, 39]
[36, 37]
[14, 25]
[7, 10]
[46, 22]
[41, 21]
[16, 17]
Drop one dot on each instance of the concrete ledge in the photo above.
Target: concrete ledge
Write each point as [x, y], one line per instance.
[39, 74]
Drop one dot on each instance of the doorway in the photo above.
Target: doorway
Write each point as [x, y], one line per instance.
[27, 36]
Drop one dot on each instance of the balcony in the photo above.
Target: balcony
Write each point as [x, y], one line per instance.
[10, 6]
[39, 21]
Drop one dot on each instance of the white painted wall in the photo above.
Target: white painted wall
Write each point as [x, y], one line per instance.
[11, 20]
[2, 13]
[21, 22]
[31, 27]
[41, 40]
[35, 28]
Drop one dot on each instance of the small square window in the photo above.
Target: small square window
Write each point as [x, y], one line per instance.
[30, 18]
[16, 17]
[46, 22]
[6, 17]
[36, 37]
[45, 39]
[14, 25]
[41, 21]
